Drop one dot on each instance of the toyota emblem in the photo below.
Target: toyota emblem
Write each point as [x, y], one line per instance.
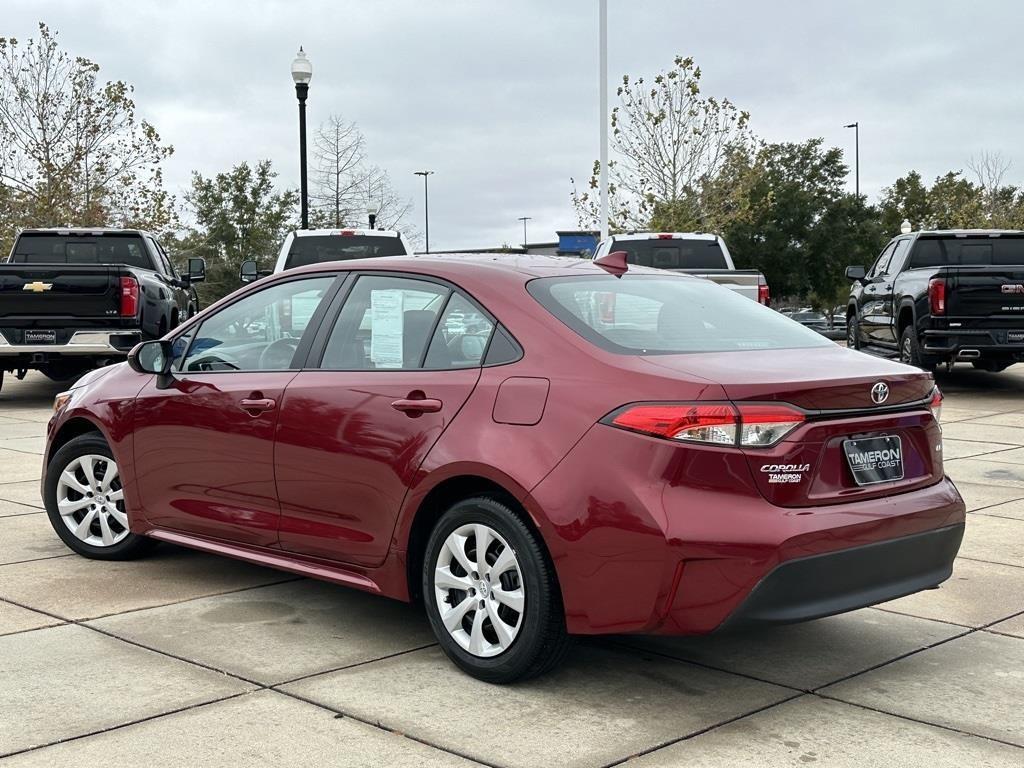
[880, 393]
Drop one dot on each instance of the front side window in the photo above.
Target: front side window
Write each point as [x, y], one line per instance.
[649, 315]
[260, 332]
[386, 323]
[882, 263]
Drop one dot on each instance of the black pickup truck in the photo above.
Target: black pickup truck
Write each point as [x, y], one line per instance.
[942, 297]
[75, 299]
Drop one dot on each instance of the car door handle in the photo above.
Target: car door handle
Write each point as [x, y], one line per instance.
[257, 405]
[414, 407]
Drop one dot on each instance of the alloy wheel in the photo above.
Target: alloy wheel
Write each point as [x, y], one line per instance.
[90, 500]
[479, 590]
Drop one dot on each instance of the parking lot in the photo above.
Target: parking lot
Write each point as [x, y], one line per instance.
[184, 658]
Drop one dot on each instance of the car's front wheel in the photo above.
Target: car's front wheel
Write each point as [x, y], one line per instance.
[84, 499]
[491, 595]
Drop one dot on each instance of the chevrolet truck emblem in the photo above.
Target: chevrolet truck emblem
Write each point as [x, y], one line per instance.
[37, 287]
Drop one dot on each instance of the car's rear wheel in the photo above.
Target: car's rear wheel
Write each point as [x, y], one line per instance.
[491, 595]
[84, 499]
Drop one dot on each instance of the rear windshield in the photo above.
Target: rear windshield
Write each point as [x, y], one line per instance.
[650, 314]
[967, 251]
[81, 249]
[673, 254]
[316, 249]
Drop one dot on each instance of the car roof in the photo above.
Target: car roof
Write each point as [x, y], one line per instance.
[352, 230]
[674, 235]
[512, 267]
[81, 231]
[969, 232]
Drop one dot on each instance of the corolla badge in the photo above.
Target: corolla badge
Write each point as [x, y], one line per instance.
[880, 393]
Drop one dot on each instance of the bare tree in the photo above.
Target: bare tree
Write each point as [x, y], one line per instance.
[997, 200]
[668, 141]
[346, 186]
[71, 148]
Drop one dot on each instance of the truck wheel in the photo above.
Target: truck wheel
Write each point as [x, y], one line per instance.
[852, 332]
[910, 351]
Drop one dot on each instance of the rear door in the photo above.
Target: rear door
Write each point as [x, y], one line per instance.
[389, 375]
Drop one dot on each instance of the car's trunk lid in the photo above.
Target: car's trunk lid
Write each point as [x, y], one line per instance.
[833, 386]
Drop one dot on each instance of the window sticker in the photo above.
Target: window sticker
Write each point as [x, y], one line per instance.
[386, 311]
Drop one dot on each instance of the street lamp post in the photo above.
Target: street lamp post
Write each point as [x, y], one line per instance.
[856, 155]
[524, 219]
[371, 214]
[302, 73]
[426, 206]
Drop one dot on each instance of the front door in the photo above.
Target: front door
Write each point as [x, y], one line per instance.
[204, 446]
[398, 365]
[873, 320]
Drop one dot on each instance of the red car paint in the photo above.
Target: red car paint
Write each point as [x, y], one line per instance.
[646, 534]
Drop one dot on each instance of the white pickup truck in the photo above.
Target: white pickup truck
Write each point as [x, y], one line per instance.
[695, 253]
[314, 246]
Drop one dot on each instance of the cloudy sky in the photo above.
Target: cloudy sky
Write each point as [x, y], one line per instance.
[500, 99]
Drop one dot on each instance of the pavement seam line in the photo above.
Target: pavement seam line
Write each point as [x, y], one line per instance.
[124, 725]
[379, 726]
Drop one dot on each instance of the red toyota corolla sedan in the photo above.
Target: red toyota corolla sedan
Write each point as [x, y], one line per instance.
[535, 447]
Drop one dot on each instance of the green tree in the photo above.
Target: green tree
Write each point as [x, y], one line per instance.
[799, 226]
[238, 215]
[72, 150]
[906, 199]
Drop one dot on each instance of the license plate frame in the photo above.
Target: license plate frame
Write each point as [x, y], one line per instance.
[39, 337]
[868, 469]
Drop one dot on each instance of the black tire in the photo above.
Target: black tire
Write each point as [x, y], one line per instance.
[129, 547]
[852, 332]
[542, 641]
[910, 351]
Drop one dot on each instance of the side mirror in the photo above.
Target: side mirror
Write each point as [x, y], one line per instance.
[855, 273]
[153, 357]
[249, 272]
[196, 269]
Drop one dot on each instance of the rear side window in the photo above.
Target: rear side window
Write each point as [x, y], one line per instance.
[386, 323]
[462, 336]
[967, 251]
[81, 249]
[649, 315]
[317, 249]
[673, 254]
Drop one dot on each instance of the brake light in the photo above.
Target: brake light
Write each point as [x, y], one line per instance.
[937, 295]
[936, 404]
[665, 237]
[347, 232]
[763, 294]
[129, 297]
[713, 423]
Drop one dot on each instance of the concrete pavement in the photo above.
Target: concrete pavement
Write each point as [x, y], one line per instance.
[183, 658]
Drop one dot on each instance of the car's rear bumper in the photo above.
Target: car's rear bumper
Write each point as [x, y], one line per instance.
[835, 582]
[111, 343]
[988, 342]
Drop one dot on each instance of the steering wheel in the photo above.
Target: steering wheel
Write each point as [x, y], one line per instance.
[277, 355]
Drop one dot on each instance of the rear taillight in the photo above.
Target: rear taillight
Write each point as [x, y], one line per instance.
[763, 294]
[936, 404]
[937, 295]
[666, 237]
[762, 425]
[712, 423]
[129, 297]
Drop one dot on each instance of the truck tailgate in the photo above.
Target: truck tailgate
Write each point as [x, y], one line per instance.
[994, 292]
[53, 294]
[743, 281]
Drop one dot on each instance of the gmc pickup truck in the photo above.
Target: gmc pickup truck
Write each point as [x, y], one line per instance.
[940, 297]
[694, 253]
[75, 299]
